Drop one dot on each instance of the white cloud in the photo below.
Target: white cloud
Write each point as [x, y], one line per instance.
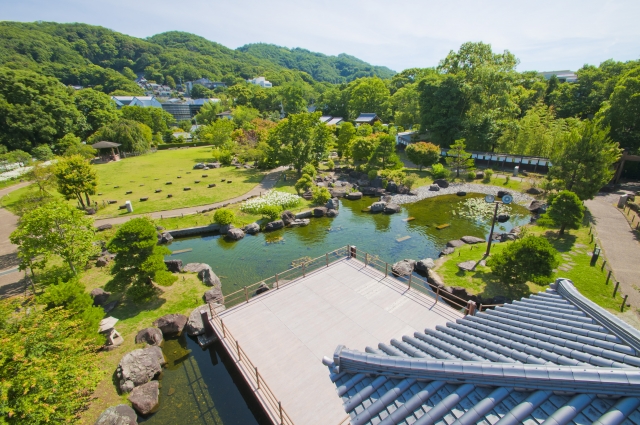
[408, 33]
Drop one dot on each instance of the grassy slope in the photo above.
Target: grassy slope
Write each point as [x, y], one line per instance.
[573, 248]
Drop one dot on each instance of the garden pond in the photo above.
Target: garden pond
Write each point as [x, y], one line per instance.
[203, 386]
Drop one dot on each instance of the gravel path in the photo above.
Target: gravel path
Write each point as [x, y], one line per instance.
[424, 192]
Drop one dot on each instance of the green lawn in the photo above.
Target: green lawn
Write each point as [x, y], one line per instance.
[573, 249]
[143, 175]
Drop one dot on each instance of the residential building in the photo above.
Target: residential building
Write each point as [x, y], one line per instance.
[226, 114]
[261, 81]
[183, 110]
[204, 82]
[367, 118]
[405, 138]
[565, 76]
[325, 118]
[143, 101]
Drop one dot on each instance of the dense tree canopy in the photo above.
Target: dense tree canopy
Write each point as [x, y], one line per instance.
[132, 135]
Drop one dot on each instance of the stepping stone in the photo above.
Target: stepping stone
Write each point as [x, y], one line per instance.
[129, 192]
[169, 183]
[116, 187]
[188, 172]
[212, 185]
[179, 177]
[141, 185]
[223, 180]
[197, 181]
[579, 245]
[186, 188]
[169, 196]
[565, 268]
[158, 190]
[143, 199]
[228, 181]
[205, 175]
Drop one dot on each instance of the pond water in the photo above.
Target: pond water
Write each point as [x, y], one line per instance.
[259, 256]
[203, 386]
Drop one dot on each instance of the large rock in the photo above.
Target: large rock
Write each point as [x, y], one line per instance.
[378, 206]
[103, 227]
[471, 239]
[403, 268]
[442, 183]
[354, 195]
[274, 225]
[102, 261]
[195, 326]
[304, 214]
[302, 221]
[320, 211]
[455, 243]
[503, 218]
[333, 204]
[252, 228]
[332, 213]
[287, 217]
[534, 191]
[224, 229]
[434, 188]
[100, 296]
[235, 234]
[392, 208]
[392, 187]
[195, 267]
[174, 266]
[208, 277]
[467, 265]
[503, 193]
[165, 238]
[146, 398]
[479, 174]
[171, 324]
[537, 207]
[151, 336]
[447, 251]
[121, 414]
[426, 264]
[139, 367]
[213, 295]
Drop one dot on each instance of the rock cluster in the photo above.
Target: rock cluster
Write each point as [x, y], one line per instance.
[150, 336]
[171, 324]
[139, 367]
[252, 229]
[195, 326]
[235, 234]
[100, 296]
[174, 266]
[274, 225]
[146, 398]
[404, 267]
[121, 414]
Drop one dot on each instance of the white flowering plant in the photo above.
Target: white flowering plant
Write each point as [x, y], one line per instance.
[283, 200]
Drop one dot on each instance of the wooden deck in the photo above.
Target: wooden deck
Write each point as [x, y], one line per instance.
[286, 332]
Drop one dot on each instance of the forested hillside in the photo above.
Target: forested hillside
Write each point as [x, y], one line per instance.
[333, 69]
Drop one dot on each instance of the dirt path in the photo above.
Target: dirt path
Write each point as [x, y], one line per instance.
[619, 242]
[11, 280]
[267, 183]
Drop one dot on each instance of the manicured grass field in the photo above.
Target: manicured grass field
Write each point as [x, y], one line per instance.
[573, 253]
[143, 175]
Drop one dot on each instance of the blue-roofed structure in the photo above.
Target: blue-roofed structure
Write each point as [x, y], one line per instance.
[552, 358]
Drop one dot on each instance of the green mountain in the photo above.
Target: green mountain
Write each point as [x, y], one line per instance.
[333, 69]
[86, 55]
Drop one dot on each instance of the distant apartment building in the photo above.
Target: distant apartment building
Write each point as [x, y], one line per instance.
[261, 81]
[204, 82]
[565, 76]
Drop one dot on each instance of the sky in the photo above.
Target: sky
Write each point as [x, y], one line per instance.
[544, 35]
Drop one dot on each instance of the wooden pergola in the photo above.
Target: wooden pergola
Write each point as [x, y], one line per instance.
[115, 155]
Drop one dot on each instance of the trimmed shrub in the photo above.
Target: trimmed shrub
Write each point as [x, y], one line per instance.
[439, 172]
[471, 175]
[321, 195]
[532, 258]
[487, 175]
[223, 216]
[372, 174]
[272, 212]
[310, 170]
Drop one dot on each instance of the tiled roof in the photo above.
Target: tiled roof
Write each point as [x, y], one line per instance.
[366, 117]
[325, 118]
[334, 121]
[553, 358]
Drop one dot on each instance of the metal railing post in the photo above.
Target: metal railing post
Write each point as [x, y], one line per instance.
[246, 294]
[277, 284]
[437, 293]
[623, 303]
[224, 333]
[410, 274]
[616, 289]
[327, 257]
[386, 269]
[608, 277]
[238, 350]
[303, 271]
[366, 259]
[280, 407]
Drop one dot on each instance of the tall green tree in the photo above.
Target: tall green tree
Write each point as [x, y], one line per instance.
[76, 178]
[157, 119]
[208, 112]
[98, 110]
[622, 113]
[565, 210]
[299, 139]
[369, 95]
[139, 257]
[584, 161]
[406, 107]
[423, 154]
[132, 135]
[34, 109]
[458, 158]
[362, 148]
[55, 228]
[346, 135]
[384, 154]
[443, 106]
[218, 133]
[293, 98]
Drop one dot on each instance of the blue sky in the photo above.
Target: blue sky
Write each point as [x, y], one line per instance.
[545, 35]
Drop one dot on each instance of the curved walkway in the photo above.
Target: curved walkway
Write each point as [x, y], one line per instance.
[11, 280]
[619, 242]
[268, 182]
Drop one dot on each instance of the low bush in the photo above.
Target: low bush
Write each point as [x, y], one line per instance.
[224, 216]
[272, 212]
[471, 175]
[487, 175]
[165, 278]
[304, 183]
[330, 165]
[372, 174]
[141, 292]
[310, 170]
[409, 182]
[438, 171]
[321, 195]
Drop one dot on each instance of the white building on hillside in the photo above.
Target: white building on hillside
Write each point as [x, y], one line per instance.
[261, 81]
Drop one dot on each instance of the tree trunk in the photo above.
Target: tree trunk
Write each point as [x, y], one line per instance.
[80, 200]
[73, 269]
[86, 195]
[562, 229]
